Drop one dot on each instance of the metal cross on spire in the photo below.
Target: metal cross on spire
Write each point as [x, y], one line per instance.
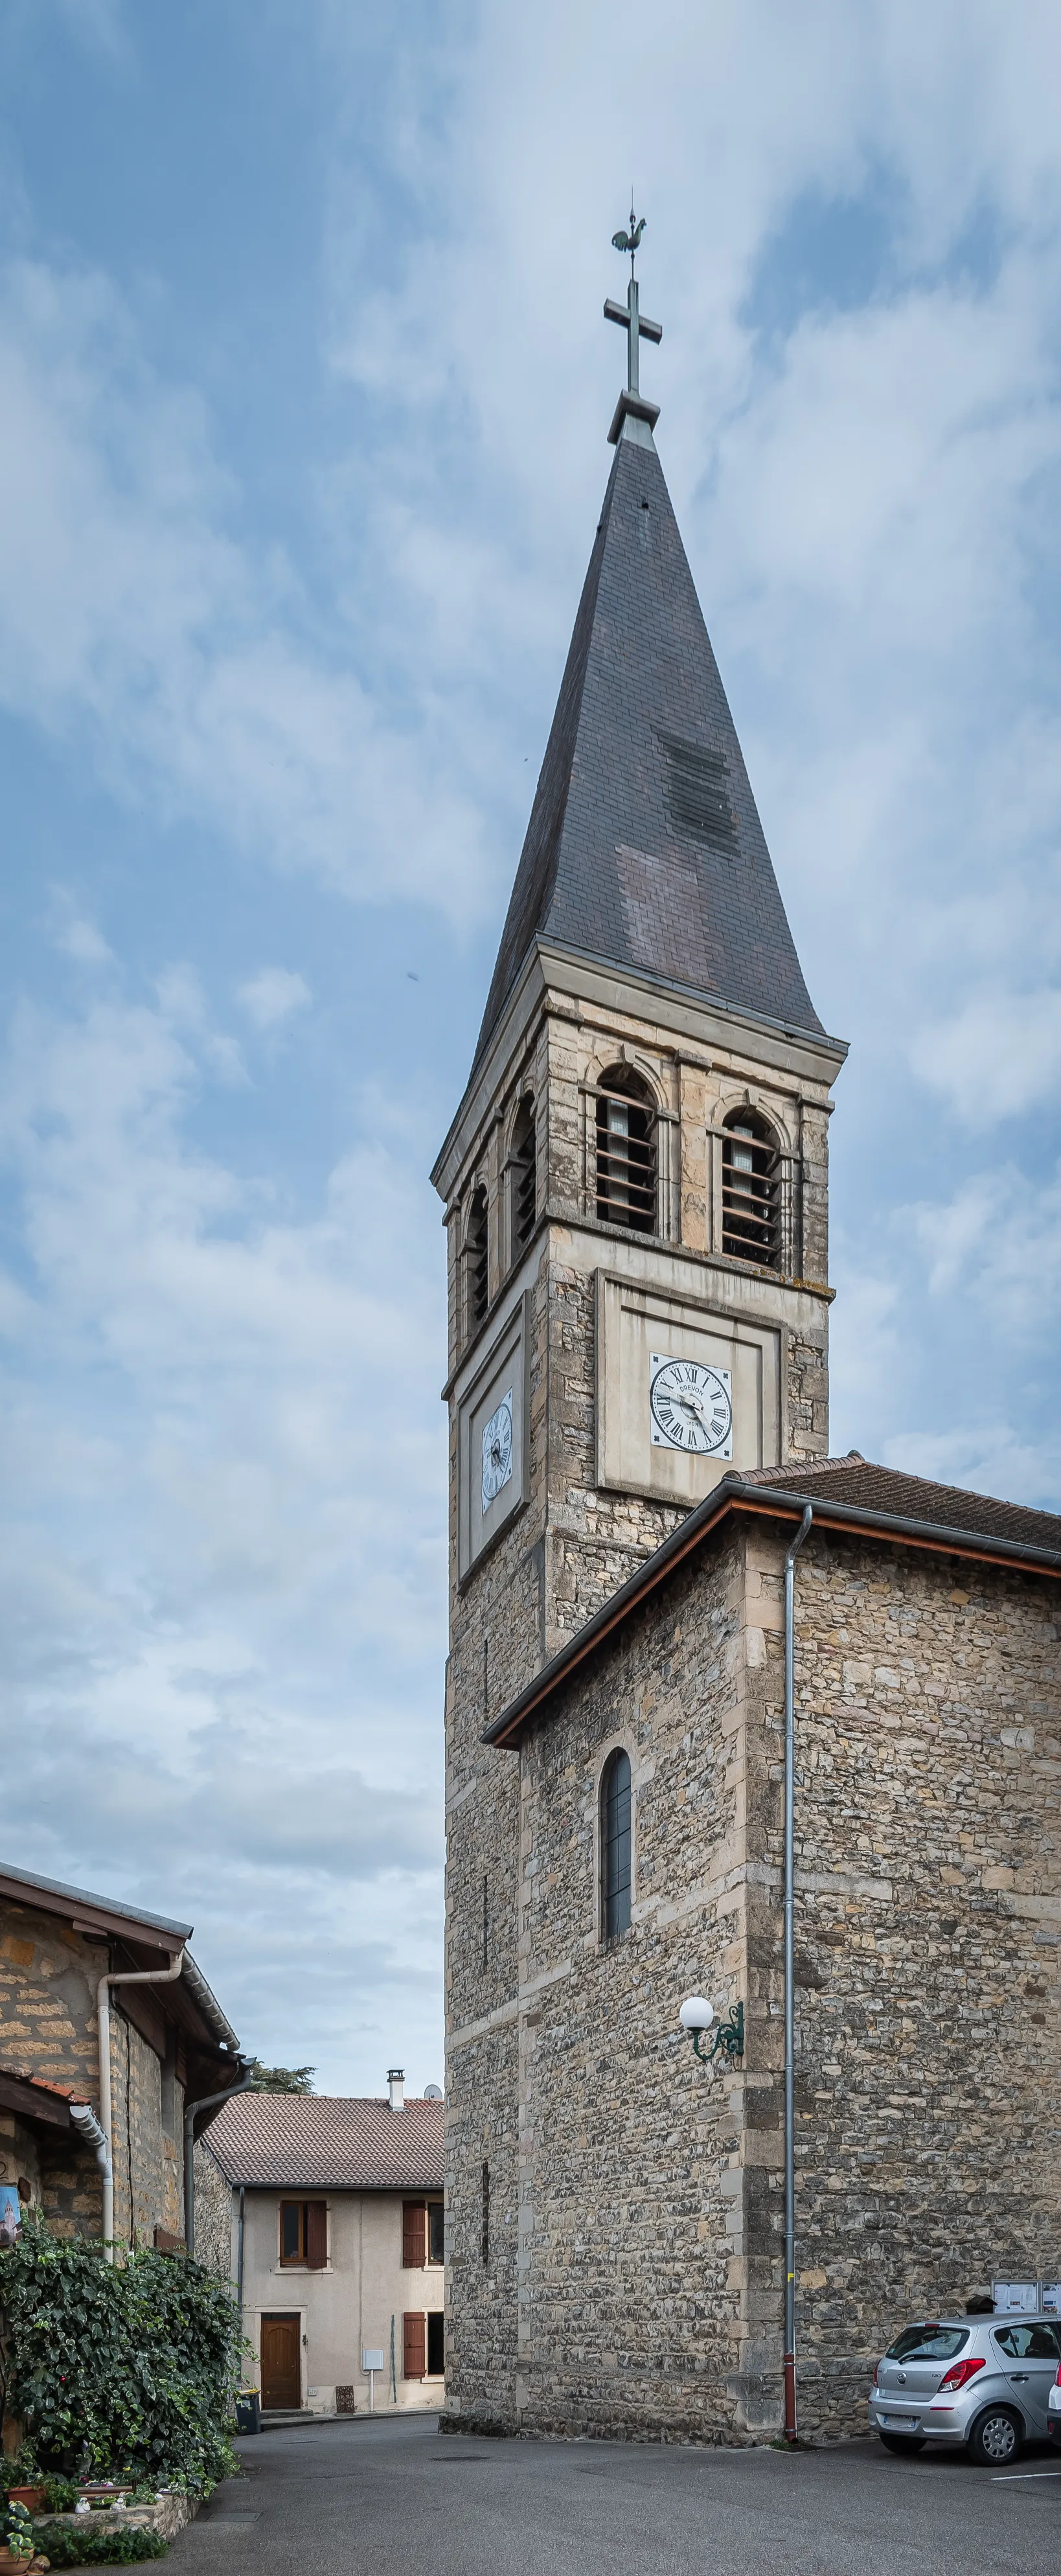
[637, 328]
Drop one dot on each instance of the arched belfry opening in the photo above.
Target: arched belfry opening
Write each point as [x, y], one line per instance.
[523, 1177]
[751, 1189]
[626, 1151]
[477, 1261]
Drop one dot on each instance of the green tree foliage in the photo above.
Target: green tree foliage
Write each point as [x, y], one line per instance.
[281, 2079]
[67, 2546]
[123, 2370]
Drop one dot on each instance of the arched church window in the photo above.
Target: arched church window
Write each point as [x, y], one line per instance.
[626, 1151]
[477, 1261]
[615, 1845]
[523, 1177]
[751, 1198]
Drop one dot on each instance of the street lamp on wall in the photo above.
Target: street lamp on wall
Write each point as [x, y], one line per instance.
[697, 2015]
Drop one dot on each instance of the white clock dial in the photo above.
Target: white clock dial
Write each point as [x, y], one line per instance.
[497, 1451]
[692, 1407]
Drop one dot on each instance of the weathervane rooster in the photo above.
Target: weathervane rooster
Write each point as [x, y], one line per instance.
[630, 241]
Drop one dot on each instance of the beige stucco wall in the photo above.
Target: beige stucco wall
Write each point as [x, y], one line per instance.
[346, 2307]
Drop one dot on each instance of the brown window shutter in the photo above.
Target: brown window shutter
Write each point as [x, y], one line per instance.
[415, 2344]
[414, 2235]
[316, 2234]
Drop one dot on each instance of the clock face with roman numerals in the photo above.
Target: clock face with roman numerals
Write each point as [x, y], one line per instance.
[497, 1451]
[692, 1407]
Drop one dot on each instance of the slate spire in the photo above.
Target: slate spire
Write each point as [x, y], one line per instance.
[644, 848]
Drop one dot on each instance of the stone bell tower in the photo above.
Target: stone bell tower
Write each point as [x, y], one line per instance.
[635, 1186]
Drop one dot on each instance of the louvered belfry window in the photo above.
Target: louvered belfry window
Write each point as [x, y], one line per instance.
[626, 1152]
[477, 1261]
[524, 1178]
[751, 1198]
[696, 789]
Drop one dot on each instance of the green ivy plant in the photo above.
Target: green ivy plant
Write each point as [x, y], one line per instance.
[123, 2370]
[18, 2532]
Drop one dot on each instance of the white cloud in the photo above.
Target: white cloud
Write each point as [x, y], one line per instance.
[224, 1565]
[133, 623]
[996, 1056]
[272, 994]
[997, 1245]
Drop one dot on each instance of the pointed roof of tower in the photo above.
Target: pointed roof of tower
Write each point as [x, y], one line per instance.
[644, 848]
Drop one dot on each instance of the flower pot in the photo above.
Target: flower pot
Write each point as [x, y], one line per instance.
[31, 2497]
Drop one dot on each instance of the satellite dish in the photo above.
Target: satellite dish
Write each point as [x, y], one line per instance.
[433, 2093]
[696, 2014]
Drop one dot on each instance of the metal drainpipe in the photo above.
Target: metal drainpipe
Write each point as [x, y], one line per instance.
[208, 2103]
[802, 1533]
[130, 1977]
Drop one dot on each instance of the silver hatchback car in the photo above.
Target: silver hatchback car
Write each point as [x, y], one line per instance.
[985, 2381]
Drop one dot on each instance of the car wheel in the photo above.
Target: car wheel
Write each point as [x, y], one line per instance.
[996, 2437]
[903, 2441]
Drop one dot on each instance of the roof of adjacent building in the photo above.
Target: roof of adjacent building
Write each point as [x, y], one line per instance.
[327, 2142]
[846, 1494]
[14, 1880]
[644, 847]
[107, 1918]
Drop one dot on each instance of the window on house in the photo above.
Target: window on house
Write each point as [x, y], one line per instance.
[304, 2233]
[615, 1846]
[414, 2235]
[523, 1178]
[751, 1197]
[436, 2231]
[436, 2344]
[477, 1261]
[626, 1151]
[414, 2344]
[484, 2241]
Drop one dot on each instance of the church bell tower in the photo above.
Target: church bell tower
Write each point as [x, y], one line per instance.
[635, 1186]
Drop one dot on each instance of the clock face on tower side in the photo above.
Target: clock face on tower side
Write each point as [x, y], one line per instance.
[497, 1451]
[691, 1405]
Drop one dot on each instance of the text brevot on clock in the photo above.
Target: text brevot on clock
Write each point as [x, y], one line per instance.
[497, 1451]
[692, 1407]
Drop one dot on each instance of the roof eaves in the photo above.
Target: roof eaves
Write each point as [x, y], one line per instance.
[817, 1039]
[776, 1501]
[80, 1900]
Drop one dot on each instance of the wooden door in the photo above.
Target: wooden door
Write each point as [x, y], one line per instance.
[281, 2360]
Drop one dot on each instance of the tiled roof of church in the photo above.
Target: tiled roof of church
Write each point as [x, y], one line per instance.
[847, 1494]
[916, 1498]
[644, 847]
[326, 2142]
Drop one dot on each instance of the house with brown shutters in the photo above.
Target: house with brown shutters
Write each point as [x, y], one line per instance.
[338, 2247]
[109, 2039]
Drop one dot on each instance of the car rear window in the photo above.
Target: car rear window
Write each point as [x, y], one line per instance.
[928, 2343]
[1028, 2343]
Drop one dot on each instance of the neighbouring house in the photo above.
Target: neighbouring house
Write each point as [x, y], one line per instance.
[338, 2244]
[71, 2104]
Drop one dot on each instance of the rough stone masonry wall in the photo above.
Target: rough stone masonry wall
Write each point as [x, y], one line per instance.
[48, 1980]
[147, 2162]
[631, 2220]
[495, 1632]
[928, 1844]
[213, 2213]
[48, 1976]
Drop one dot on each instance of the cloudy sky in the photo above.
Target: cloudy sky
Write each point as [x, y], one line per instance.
[304, 389]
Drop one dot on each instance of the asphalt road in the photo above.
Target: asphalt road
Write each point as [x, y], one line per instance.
[391, 2497]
